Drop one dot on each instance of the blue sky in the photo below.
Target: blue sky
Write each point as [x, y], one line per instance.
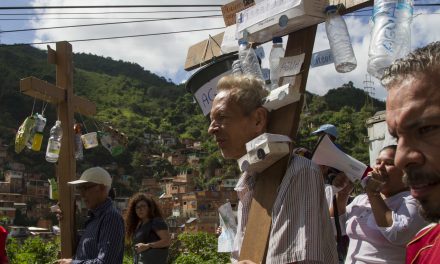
[165, 55]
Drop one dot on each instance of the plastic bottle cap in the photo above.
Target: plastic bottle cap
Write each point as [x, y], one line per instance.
[242, 41]
[282, 22]
[331, 9]
[277, 40]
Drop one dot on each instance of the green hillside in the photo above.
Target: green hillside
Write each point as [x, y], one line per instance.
[138, 102]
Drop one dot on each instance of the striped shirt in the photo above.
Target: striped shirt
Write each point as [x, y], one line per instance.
[103, 238]
[301, 228]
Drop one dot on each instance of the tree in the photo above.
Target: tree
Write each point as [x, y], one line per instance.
[199, 248]
[34, 250]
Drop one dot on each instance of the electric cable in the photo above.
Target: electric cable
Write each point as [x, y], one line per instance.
[109, 23]
[117, 37]
[99, 6]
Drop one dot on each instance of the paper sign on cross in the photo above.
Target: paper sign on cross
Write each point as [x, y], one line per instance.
[67, 103]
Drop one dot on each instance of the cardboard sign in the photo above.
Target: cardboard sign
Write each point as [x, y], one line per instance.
[321, 58]
[201, 53]
[229, 10]
[205, 94]
[291, 65]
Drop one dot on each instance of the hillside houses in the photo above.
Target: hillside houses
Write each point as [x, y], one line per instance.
[185, 204]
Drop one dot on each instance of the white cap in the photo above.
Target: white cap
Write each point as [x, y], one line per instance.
[96, 175]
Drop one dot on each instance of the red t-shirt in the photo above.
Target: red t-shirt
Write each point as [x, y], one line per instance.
[3, 236]
[425, 247]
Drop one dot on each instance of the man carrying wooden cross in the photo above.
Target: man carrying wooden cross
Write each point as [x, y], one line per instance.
[301, 229]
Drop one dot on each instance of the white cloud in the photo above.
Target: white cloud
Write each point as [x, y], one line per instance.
[165, 55]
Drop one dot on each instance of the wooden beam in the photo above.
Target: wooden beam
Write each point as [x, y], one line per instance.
[351, 5]
[48, 92]
[83, 106]
[42, 90]
[66, 166]
[282, 121]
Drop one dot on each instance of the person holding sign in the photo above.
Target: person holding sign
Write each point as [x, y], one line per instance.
[301, 229]
[380, 222]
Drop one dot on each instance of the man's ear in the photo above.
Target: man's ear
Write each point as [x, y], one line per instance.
[261, 116]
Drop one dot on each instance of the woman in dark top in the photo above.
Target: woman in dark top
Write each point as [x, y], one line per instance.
[146, 230]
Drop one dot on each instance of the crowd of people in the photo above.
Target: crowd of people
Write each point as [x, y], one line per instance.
[394, 221]
[387, 224]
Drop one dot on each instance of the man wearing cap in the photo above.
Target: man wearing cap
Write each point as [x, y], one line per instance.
[328, 129]
[103, 237]
[334, 180]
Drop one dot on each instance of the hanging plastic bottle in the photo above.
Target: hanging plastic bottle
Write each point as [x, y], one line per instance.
[54, 144]
[390, 34]
[339, 39]
[32, 132]
[404, 13]
[276, 53]
[40, 123]
[236, 67]
[249, 60]
[79, 154]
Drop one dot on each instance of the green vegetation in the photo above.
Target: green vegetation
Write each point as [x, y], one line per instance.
[189, 248]
[198, 248]
[33, 250]
[140, 103]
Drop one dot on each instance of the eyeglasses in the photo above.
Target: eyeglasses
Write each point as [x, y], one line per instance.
[85, 187]
[141, 206]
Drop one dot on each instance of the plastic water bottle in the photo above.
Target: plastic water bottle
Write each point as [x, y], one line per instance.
[276, 53]
[339, 40]
[79, 154]
[249, 60]
[54, 144]
[236, 67]
[40, 123]
[390, 34]
[404, 13]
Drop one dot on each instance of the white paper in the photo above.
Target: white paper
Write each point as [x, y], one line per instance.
[262, 11]
[291, 65]
[266, 137]
[229, 228]
[205, 94]
[321, 58]
[229, 42]
[289, 80]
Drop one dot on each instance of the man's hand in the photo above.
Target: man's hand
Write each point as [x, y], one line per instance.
[218, 231]
[246, 262]
[341, 180]
[63, 261]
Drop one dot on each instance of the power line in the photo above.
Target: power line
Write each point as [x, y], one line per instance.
[99, 6]
[110, 12]
[117, 37]
[109, 23]
[76, 18]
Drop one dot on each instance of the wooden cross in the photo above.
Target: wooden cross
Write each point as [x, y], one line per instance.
[283, 121]
[67, 103]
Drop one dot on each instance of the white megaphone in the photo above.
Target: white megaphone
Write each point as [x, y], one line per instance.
[328, 154]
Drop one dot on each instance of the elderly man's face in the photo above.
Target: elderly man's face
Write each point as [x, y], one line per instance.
[92, 194]
[231, 128]
[413, 117]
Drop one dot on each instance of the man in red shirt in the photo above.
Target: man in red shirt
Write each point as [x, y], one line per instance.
[3, 236]
[413, 117]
